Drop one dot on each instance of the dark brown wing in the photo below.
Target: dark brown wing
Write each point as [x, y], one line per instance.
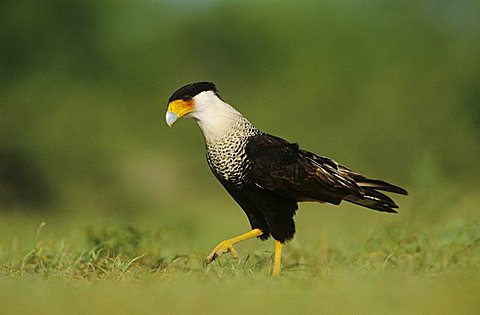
[284, 168]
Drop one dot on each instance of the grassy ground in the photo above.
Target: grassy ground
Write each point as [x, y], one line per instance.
[393, 266]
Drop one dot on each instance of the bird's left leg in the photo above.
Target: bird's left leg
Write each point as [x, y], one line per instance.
[226, 246]
[277, 258]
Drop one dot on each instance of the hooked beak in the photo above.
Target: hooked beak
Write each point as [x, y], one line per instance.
[170, 118]
[177, 109]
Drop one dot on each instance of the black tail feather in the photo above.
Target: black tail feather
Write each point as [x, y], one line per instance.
[374, 199]
[380, 185]
[372, 203]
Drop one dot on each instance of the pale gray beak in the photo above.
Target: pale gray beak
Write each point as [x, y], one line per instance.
[170, 118]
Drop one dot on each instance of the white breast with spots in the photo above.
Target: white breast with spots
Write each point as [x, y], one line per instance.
[226, 156]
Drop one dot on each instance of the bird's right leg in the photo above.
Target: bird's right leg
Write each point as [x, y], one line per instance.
[226, 246]
[277, 258]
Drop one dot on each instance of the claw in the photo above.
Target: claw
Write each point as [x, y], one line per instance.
[226, 246]
[223, 247]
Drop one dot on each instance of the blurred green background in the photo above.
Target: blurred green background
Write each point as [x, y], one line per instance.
[389, 88]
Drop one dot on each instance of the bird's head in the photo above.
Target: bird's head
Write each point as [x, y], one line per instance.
[189, 100]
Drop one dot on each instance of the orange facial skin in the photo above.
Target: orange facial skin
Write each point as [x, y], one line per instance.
[181, 107]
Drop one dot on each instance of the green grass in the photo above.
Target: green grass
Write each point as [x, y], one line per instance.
[393, 268]
[116, 253]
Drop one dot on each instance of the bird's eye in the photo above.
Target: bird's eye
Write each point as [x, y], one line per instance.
[186, 97]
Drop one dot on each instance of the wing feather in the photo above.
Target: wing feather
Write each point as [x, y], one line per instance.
[282, 167]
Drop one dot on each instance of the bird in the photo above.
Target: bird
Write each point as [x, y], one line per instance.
[266, 175]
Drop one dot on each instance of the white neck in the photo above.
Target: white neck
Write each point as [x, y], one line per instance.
[214, 117]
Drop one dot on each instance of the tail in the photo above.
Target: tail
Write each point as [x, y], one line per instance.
[372, 198]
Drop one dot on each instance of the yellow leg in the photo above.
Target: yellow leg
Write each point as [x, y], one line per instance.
[226, 246]
[277, 258]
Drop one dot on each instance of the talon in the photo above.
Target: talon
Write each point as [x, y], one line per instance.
[226, 246]
[222, 248]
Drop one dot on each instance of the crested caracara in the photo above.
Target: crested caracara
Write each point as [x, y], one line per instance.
[266, 175]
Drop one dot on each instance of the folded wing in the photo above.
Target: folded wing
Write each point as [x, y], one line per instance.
[282, 167]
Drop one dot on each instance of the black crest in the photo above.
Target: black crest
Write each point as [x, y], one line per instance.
[188, 91]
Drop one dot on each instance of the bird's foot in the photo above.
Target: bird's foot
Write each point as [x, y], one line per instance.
[223, 247]
[226, 246]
